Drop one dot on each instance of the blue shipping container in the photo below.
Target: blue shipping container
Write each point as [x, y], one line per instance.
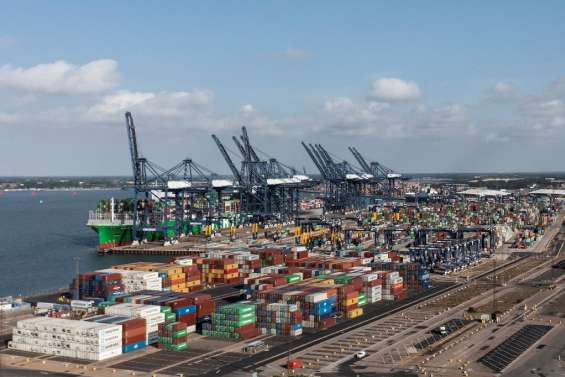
[133, 346]
[186, 310]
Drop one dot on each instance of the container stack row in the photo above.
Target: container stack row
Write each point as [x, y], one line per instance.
[137, 280]
[99, 285]
[372, 287]
[279, 319]
[134, 330]
[173, 336]
[189, 308]
[233, 321]
[150, 313]
[68, 338]
[413, 274]
[219, 270]
[393, 286]
[175, 277]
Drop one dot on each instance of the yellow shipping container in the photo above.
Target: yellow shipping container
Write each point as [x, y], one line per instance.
[355, 313]
[230, 266]
[351, 301]
[170, 270]
[192, 283]
[177, 276]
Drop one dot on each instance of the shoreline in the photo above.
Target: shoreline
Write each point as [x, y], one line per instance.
[66, 189]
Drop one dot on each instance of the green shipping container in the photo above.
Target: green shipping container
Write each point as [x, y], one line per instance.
[170, 317]
[104, 304]
[292, 278]
[166, 309]
[342, 280]
[180, 333]
[177, 347]
[237, 309]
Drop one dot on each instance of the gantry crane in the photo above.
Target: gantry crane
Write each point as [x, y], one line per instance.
[376, 169]
[268, 189]
[344, 185]
[164, 198]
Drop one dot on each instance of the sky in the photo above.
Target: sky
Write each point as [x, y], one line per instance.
[421, 87]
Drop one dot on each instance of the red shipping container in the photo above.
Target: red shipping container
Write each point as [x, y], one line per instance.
[134, 339]
[188, 319]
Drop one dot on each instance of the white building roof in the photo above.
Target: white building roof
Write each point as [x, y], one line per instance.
[484, 192]
[555, 192]
[182, 184]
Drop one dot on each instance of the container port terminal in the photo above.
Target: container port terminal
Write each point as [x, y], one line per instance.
[355, 270]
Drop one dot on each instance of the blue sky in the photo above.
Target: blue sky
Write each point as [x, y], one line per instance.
[421, 86]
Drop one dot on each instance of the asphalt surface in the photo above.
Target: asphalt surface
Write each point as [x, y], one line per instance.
[222, 290]
[8, 372]
[345, 369]
[509, 350]
[543, 360]
[372, 313]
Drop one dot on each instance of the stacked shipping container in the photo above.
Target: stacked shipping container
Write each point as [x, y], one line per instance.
[151, 313]
[63, 337]
[96, 285]
[134, 330]
[219, 270]
[137, 280]
[279, 319]
[234, 321]
[173, 336]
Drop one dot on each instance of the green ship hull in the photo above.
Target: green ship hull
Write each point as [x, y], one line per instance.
[110, 236]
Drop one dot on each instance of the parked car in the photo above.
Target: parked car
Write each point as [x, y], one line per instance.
[361, 354]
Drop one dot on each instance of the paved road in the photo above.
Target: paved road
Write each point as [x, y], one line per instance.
[6, 372]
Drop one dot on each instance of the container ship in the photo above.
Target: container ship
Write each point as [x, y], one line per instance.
[113, 221]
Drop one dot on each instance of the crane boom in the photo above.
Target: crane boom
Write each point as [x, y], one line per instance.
[228, 159]
[314, 159]
[252, 155]
[360, 160]
[136, 164]
[239, 146]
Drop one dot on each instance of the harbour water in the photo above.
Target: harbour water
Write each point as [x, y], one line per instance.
[41, 232]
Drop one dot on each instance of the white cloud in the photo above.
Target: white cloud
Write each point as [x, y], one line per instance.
[297, 54]
[7, 41]
[292, 54]
[504, 88]
[62, 77]
[503, 92]
[339, 105]
[393, 89]
[394, 120]
[344, 115]
[260, 122]
[159, 104]
[247, 109]
[495, 137]
[544, 114]
[6, 118]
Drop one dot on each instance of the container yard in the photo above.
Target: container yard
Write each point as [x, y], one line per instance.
[309, 273]
[322, 290]
[286, 287]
